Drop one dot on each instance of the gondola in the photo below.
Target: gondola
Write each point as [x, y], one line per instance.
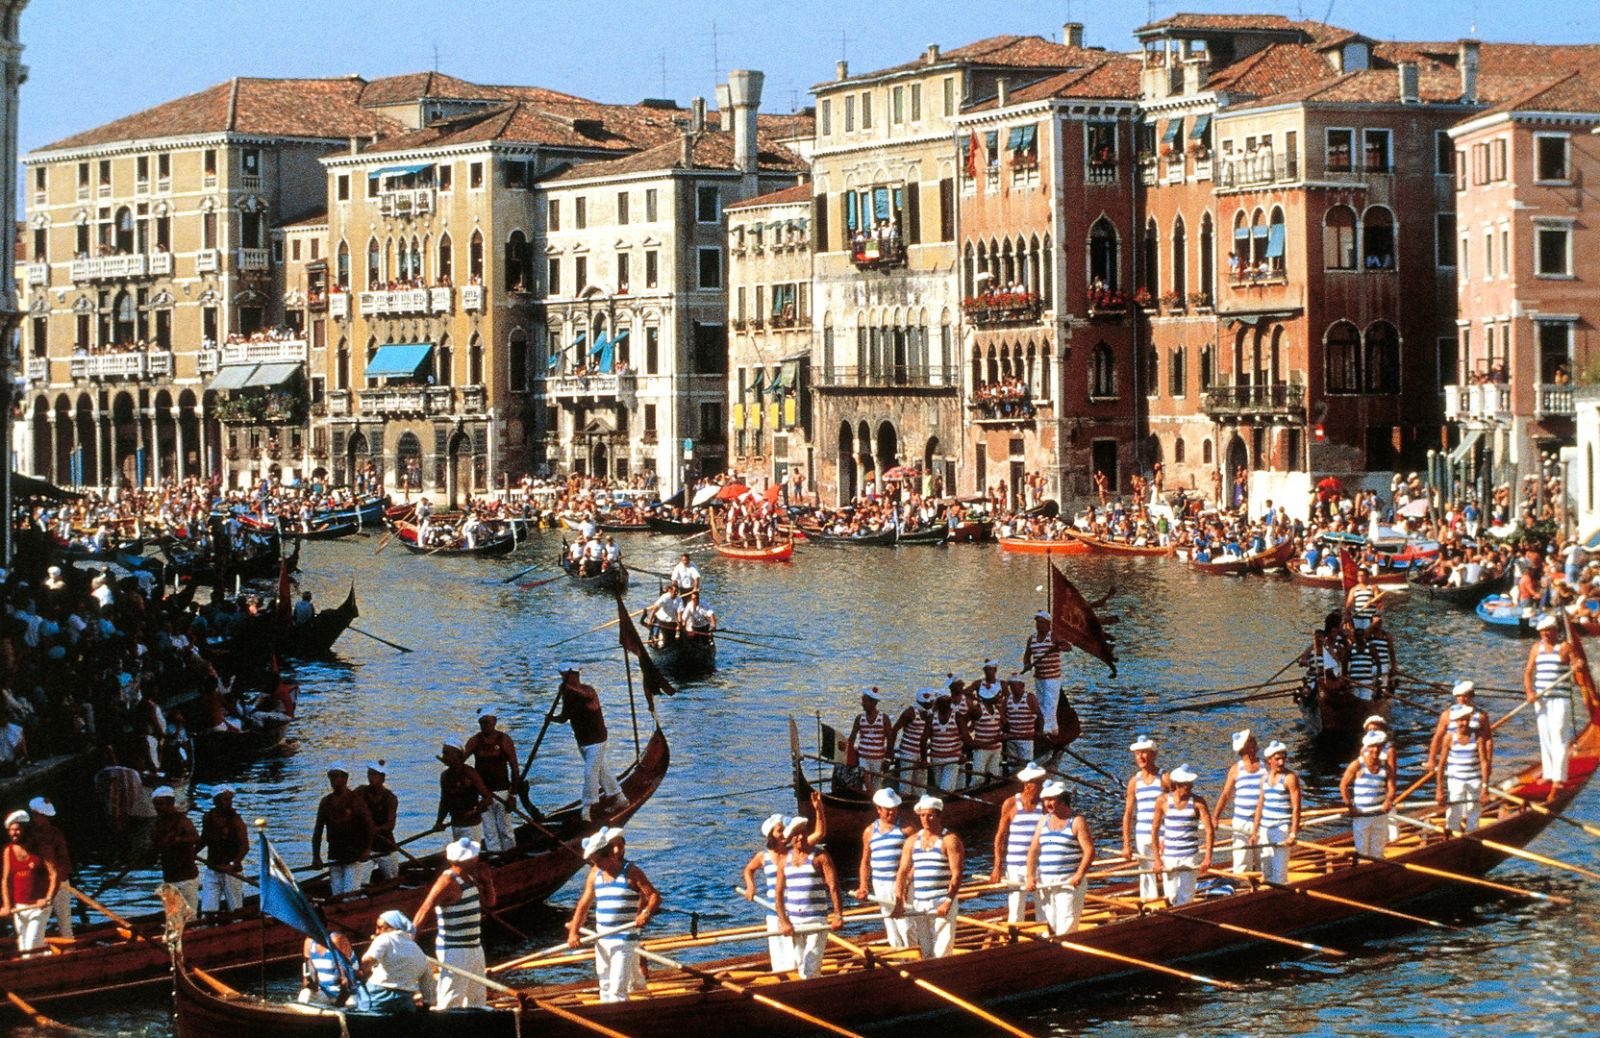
[972, 531]
[607, 580]
[778, 552]
[1101, 546]
[674, 526]
[1391, 580]
[608, 524]
[222, 751]
[491, 547]
[317, 637]
[938, 533]
[1463, 596]
[1330, 710]
[684, 656]
[1026, 546]
[990, 961]
[369, 511]
[872, 539]
[79, 553]
[328, 531]
[1258, 562]
[101, 959]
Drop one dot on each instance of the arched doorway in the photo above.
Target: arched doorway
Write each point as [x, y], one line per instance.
[190, 449]
[930, 455]
[408, 462]
[599, 458]
[125, 439]
[355, 454]
[1238, 462]
[44, 450]
[888, 447]
[847, 464]
[458, 471]
[864, 454]
[88, 446]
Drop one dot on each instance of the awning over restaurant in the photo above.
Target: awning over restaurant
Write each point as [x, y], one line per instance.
[1464, 448]
[399, 171]
[1202, 124]
[232, 376]
[270, 376]
[398, 361]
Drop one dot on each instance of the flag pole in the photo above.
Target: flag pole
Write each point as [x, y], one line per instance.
[261, 829]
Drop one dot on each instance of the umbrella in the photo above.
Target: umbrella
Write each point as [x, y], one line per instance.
[705, 494]
[1415, 509]
[902, 472]
[732, 491]
[772, 494]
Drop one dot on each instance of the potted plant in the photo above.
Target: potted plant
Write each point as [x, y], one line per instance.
[1141, 297]
[1172, 300]
[1199, 300]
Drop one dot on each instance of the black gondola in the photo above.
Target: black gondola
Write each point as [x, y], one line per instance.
[938, 533]
[328, 531]
[606, 580]
[502, 545]
[317, 637]
[674, 526]
[682, 655]
[879, 539]
[1464, 596]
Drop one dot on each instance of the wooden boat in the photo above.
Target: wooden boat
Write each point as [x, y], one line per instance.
[1392, 580]
[328, 531]
[674, 526]
[607, 580]
[693, 655]
[317, 637]
[1498, 612]
[499, 544]
[1024, 546]
[1100, 546]
[610, 524]
[1271, 558]
[778, 552]
[220, 752]
[100, 959]
[369, 511]
[1464, 596]
[79, 553]
[1330, 710]
[872, 539]
[989, 961]
[975, 531]
[938, 533]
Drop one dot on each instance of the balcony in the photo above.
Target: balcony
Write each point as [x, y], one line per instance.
[1487, 401]
[401, 400]
[339, 305]
[472, 297]
[581, 386]
[1101, 171]
[1105, 304]
[902, 376]
[133, 365]
[38, 369]
[997, 308]
[254, 259]
[877, 253]
[405, 204]
[1276, 398]
[405, 301]
[208, 361]
[473, 399]
[250, 181]
[266, 351]
[338, 403]
[38, 273]
[1555, 401]
[1255, 170]
[207, 261]
[440, 300]
[160, 264]
[102, 268]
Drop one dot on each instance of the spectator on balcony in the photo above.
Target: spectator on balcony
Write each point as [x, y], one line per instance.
[1233, 265]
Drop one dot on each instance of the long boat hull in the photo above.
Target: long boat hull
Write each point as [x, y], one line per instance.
[317, 637]
[674, 526]
[1023, 546]
[978, 532]
[1393, 579]
[1260, 562]
[774, 553]
[1097, 546]
[607, 580]
[938, 533]
[1331, 712]
[683, 657]
[1466, 596]
[494, 547]
[875, 539]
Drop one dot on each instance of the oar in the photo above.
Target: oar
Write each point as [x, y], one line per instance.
[1454, 877]
[550, 1007]
[763, 634]
[592, 630]
[1097, 787]
[1231, 702]
[1503, 848]
[39, 1019]
[1261, 935]
[762, 645]
[932, 989]
[383, 542]
[369, 634]
[540, 583]
[1099, 953]
[1320, 895]
[521, 573]
[113, 881]
[740, 793]
[556, 949]
[1538, 808]
[133, 930]
[942, 793]
[1549, 687]
[1086, 762]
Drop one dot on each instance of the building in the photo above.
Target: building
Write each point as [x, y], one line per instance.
[14, 74]
[769, 347]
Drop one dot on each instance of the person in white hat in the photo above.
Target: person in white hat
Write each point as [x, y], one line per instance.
[1242, 788]
[1367, 789]
[224, 844]
[929, 881]
[1180, 819]
[1058, 859]
[1144, 789]
[1042, 655]
[767, 861]
[580, 708]
[871, 740]
[621, 896]
[1462, 692]
[457, 899]
[947, 740]
[911, 741]
[28, 882]
[991, 680]
[343, 816]
[807, 899]
[395, 969]
[1277, 820]
[384, 807]
[494, 757]
[52, 843]
[1023, 723]
[1462, 772]
[1019, 821]
[176, 843]
[986, 734]
[881, 845]
[1546, 682]
[463, 798]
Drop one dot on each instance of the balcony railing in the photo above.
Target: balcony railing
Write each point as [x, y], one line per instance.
[266, 352]
[590, 385]
[250, 181]
[873, 253]
[441, 299]
[339, 403]
[1256, 169]
[473, 399]
[207, 261]
[1002, 308]
[38, 369]
[1101, 171]
[400, 400]
[890, 377]
[160, 264]
[101, 268]
[406, 301]
[472, 297]
[406, 204]
[339, 305]
[133, 365]
[254, 259]
[1267, 398]
[1555, 401]
[39, 273]
[208, 361]
[1486, 402]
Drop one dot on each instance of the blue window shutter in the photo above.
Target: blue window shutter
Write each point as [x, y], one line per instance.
[1029, 136]
[851, 219]
[880, 203]
[1241, 234]
[1275, 240]
[992, 142]
[1174, 128]
[1014, 139]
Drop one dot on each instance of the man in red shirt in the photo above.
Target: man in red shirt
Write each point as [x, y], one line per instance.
[226, 842]
[494, 756]
[176, 843]
[28, 883]
[343, 814]
[580, 707]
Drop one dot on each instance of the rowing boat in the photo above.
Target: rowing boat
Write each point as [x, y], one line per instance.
[865, 539]
[331, 530]
[607, 580]
[682, 655]
[1025, 546]
[778, 552]
[972, 531]
[1332, 710]
[1394, 580]
[1256, 562]
[674, 526]
[500, 544]
[1464, 596]
[1101, 546]
[316, 637]
[938, 533]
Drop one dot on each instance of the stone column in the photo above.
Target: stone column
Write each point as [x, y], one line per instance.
[178, 446]
[104, 432]
[141, 457]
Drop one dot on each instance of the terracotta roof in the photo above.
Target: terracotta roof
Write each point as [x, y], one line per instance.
[269, 107]
[1117, 79]
[784, 196]
[1221, 23]
[582, 124]
[713, 150]
[1574, 92]
[1272, 70]
[1004, 51]
[314, 219]
[412, 86]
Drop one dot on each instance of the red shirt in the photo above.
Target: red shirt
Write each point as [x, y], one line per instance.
[30, 879]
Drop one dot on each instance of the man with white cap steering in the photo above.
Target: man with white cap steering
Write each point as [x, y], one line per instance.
[494, 756]
[1176, 831]
[621, 896]
[176, 842]
[871, 738]
[1020, 816]
[384, 807]
[1042, 655]
[1243, 788]
[224, 843]
[1058, 859]
[881, 845]
[52, 843]
[580, 708]
[28, 882]
[457, 899]
[929, 881]
[1462, 692]
[1546, 682]
[1139, 811]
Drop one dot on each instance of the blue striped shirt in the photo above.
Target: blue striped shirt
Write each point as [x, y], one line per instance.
[1462, 761]
[1246, 792]
[1276, 809]
[805, 895]
[1145, 796]
[885, 846]
[930, 871]
[1059, 852]
[459, 924]
[1369, 788]
[616, 902]
[1549, 676]
[1180, 829]
[1019, 837]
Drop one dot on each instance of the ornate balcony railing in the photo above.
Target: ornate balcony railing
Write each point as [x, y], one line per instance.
[254, 259]
[100, 268]
[1555, 401]
[131, 365]
[1265, 398]
[208, 261]
[406, 204]
[590, 385]
[38, 369]
[39, 273]
[473, 297]
[339, 305]
[1002, 308]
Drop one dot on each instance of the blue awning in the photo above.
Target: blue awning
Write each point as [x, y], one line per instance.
[398, 361]
[578, 341]
[621, 338]
[1275, 240]
[600, 343]
[398, 171]
[755, 386]
[1174, 128]
[1202, 125]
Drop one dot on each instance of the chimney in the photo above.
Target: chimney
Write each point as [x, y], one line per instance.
[841, 70]
[1072, 34]
[1409, 91]
[697, 115]
[1467, 65]
[744, 98]
[686, 149]
[1000, 92]
[356, 144]
[932, 57]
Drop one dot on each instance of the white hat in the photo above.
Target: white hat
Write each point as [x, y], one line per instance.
[1054, 789]
[338, 766]
[987, 691]
[886, 798]
[489, 711]
[990, 663]
[1042, 615]
[1375, 719]
[603, 838]
[930, 803]
[567, 668]
[1274, 748]
[163, 791]
[1459, 711]
[926, 696]
[1182, 775]
[461, 850]
[378, 766]
[1144, 742]
[872, 694]
[1031, 773]
[1463, 688]
[1547, 623]
[1241, 738]
[771, 824]
[395, 919]
[18, 818]
[1374, 739]
[42, 806]
[54, 571]
[797, 824]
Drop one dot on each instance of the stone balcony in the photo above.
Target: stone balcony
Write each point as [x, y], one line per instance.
[394, 401]
[265, 352]
[407, 301]
[1000, 308]
[339, 305]
[1485, 402]
[207, 261]
[38, 369]
[473, 297]
[1273, 398]
[406, 204]
[1554, 401]
[576, 387]
[338, 403]
[39, 273]
[104, 268]
[254, 259]
[131, 366]
[160, 264]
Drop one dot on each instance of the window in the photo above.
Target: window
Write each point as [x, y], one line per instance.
[1488, 255]
[208, 164]
[475, 176]
[580, 212]
[1277, 240]
[650, 202]
[1102, 373]
[1553, 250]
[1341, 146]
[1342, 354]
[1497, 159]
[1550, 157]
[518, 266]
[342, 187]
[947, 209]
[1382, 360]
[250, 162]
[446, 268]
[1555, 350]
[250, 230]
[444, 176]
[1103, 266]
[949, 91]
[825, 118]
[1101, 142]
[650, 421]
[580, 274]
[1447, 362]
[41, 244]
[372, 187]
[897, 105]
[652, 268]
[1444, 154]
[1461, 170]
[866, 110]
[104, 178]
[1444, 239]
[710, 268]
[294, 249]
[849, 114]
[40, 181]
[1377, 239]
[1376, 156]
[475, 258]
[552, 276]
[916, 102]
[1177, 376]
[1463, 258]
[1505, 250]
[652, 350]
[622, 208]
[622, 272]
[553, 220]
[707, 205]
[141, 173]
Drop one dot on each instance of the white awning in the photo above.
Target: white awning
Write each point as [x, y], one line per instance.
[1468, 441]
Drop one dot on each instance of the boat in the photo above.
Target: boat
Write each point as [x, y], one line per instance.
[82, 553]
[1331, 710]
[1392, 580]
[990, 960]
[317, 637]
[1025, 546]
[1502, 615]
[1463, 596]
[503, 543]
[369, 511]
[938, 533]
[609, 523]
[613, 579]
[1258, 562]
[102, 958]
[693, 655]
[778, 552]
[656, 524]
[869, 539]
[221, 751]
[331, 530]
[972, 531]
[1101, 546]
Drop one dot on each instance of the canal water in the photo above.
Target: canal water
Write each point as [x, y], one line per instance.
[835, 620]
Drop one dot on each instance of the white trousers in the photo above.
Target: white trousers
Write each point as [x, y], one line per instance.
[1246, 858]
[1048, 692]
[1063, 905]
[497, 834]
[1274, 855]
[898, 930]
[456, 991]
[780, 949]
[217, 886]
[1179, 879]
[616, 966]
[944, 775]
[387, 866]
[348, 878]
[597, 778]
[933, 935]
[1017, 900]
[1554, 715]
[1371, 834]
[1018, 753]
[1463, 809]
[468, 832]
[62, 907]
[985, 762]
[30, 924]
[807, 948]
[912, 776]
[1144, 847]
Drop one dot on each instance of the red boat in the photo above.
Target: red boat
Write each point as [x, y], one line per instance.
[1273, 557]
[1388, 579]
[972, 531]
[1099, 546]
[1024, 546]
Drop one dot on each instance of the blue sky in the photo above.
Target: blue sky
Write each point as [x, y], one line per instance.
[95, 60]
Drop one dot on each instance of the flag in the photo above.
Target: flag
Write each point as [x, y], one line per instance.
[628, 636]
[1073, 620]
[972, 155]
[1581, 675]
[283, 900]
[1347, 570]
[832, 745]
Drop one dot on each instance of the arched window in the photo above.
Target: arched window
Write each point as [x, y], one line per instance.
[517, 356]
[475, 258]
[372, 351]
[1277, 240]
[1381, 358]
[1342, 352]
[977, 366]
[994, 366]
[1239, 258]
[1151, 280]
[1180, 261]
[1046, 278]
[1258, 239]
[1377, 239]
[1208, 366]
[1103, 265]
[1036, 274]
[1339, 239]
[443, 362]
[342, 269]
[1008, 271]
[1177, 451]
[1276, 362]
[969, 271]
[417, 254]
[1152, 372]
[516, 265]
[341, 376]
[124, 315]
[475, 361]
[1102, 372]
[446, 269]
[402, 265]
[374, 264]
[1205, 452]
[1208, 259]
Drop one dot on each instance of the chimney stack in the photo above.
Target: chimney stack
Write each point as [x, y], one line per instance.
[1072, 34]
[744, 98]
[1000, 91]
[1409, 88]
[697, 115]
[841, 70]
[1467, 65]
[356, 144]
[932, 56]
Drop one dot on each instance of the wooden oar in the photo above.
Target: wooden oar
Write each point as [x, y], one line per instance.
[932, 989]
[1503, 848]
[383, 542]
[1549, 687]
[369, 634]
[550, 1007]
[763, 634]
[132, 930]
[592, 630]
[521, 573]
[39, 1019]
[762, 645]
[530, 585]
[741, 793]
[1454, 877]
[1231, 702]
[1099, 953]
[555, 949]
[1059, 774]
[1260, 935]
[941, 793]
[1537, 808]
[1091, 765]
[1321, 895]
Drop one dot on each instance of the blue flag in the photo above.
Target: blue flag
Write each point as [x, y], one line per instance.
[283, 900]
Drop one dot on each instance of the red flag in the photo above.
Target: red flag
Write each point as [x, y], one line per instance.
[281, 607]
[1581, 675]
[1073, 620]
[1347, 570]
[972, 156]
[628, 636]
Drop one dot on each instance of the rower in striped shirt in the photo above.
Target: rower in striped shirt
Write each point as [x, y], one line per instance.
[1042, 655]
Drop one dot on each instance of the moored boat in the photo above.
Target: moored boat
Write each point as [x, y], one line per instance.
[331, 530]
[1025, 546]
[972, 531]
[1101, 546]
[1462, 596]
[1271, 557]
[938, 533]
[1393, 580]
[656, 524]
[615, 578]
[1332, 710]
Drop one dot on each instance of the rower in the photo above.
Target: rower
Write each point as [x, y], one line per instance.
[383, 806]
[580, 707]
[1139, 812]
[304, 611]
[610, 554]
[991, 680]
[1042, 655]
[52, 843]
[455, 900]
[1019, 822]
[322, 982]
[175, 841]
[910, 736]
[695, 617]
[1361, 664]
[881, 846]
[871, 738]
[1175, 829]
[349, 827]
[1544, 682]
[1023, 720]
[494, 757]
[1368, 793]
[1058, 860]
[768, 860]
[622, 896]
[1462, 773]
[1276, 825]
[463, 797]
[394, 968]
[1360, 603]
[28, 881]
[1243, 788]
[1381, 644]
[946, 739]
[685, 576]
[806, 886]
[225, 842]
[665, 611]
[1463, 692]
[985, 735]
[929, 881]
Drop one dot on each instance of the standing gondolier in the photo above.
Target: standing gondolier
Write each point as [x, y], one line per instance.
[1058, 860]
[1176, 830]
[910, 737]
[494, 757]
[1368, 793]
[685, 575]
[457, 899]
[1020, 816]
[580, 708]
[1042, 655]
[1023, 721]
[224, 843]
[384, 807]
[1276, 825]
[1545, 681]
[1242, 788]
[52, 843]
[463, 798]
[806, 888]
[871, 739]
[1462, 772]
[1144, 789]
[881, 845]
[621, 895]
[929, 881]
[28, 881]
[343, 816]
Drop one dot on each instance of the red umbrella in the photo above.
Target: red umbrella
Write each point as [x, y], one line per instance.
[772, 493]
[902, 472]
[732, 491]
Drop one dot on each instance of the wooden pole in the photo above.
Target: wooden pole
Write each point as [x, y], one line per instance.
[932, 989]
[1454, 877]
[1260, 935]
[1099, 953]
[1503, 848]
[1320, 895]
[1538, 808]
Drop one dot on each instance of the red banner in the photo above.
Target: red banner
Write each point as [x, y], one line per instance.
[1347, 570]
[628, 635]
[1073, 620]
[1581, 675]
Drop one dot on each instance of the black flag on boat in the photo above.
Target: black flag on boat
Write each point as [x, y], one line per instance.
[654, 681]
[1073, 620]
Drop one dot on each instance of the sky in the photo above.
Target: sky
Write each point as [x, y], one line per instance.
[95, 60]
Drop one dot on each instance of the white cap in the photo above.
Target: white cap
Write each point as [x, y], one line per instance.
[1459, 711]
[1181, 775]
[1042, 615]
[771, 824]
[338, 766]
[1463, 688]
[489, 711]
[930, 803]
[1274, 748]
[42, 806]
[1374, 739]
[990, 663]
[1375, 719]
[872, 694]
[886, 798]
[1054, 789]
[567, 668]
[603, 838]
[163, 791]
[1031, 773]
[797, 824]
[461, 850]
[18, 818]
[987, 691]
[1144, 742]
[926, 696]
[378, 766]
[1547, 623]
[1241, 738]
